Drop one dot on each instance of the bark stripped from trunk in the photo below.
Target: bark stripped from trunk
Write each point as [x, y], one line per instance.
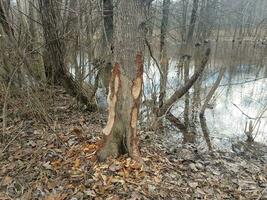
[121, 130]
[136, 93]
[112, 98]
[126, 82]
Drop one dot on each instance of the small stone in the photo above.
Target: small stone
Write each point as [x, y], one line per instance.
[88, 182]
[192, 166]
[47, 165]
[199, 166]
[90, 193]
[193, 184]
[151, 189]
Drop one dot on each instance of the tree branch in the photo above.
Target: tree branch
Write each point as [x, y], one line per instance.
[180, 92]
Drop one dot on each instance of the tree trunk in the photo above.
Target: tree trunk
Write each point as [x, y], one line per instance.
[248, 131]
[55, 47]
[163, 51]
[202, 117]
[126, 81]
[32, 27]
[56, 71]
[186, 62]
[4, 20]
[181, 91]
[192, 22]
[196, 102]
[186, 59]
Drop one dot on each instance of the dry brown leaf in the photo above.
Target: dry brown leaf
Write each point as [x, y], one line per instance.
[76, 164]
[7, 181]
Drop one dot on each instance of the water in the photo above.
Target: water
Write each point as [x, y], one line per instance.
[232, 106]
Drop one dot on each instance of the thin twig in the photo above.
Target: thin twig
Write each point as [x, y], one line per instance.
[260, 117]
[8, 144]
[152, 56]
[262, 193]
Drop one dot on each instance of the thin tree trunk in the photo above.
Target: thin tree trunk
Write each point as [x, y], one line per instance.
[163, 51]
[186, 59]
[192, 22]
[32, 27]
[202, 117]
[104, 72]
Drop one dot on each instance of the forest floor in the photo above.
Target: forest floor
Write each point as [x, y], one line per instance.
[56, 160]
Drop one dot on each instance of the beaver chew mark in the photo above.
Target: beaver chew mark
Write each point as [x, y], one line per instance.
[112, 98]
[136, 88]
[134, 117]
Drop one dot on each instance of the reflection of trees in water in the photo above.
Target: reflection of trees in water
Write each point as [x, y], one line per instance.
[243, 83]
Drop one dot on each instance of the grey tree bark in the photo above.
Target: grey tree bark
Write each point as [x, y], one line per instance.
[55, 67]
[202, 117]
[125, 87]
[163, 50]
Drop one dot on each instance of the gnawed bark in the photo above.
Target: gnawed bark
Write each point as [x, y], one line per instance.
[124, 102]
[112, 98]
[126, 81]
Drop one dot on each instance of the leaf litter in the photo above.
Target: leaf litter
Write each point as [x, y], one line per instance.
[58, 161]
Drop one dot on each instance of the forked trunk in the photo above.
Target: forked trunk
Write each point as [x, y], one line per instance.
[126, 82]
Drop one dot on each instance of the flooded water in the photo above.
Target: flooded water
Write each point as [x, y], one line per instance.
[235, 104]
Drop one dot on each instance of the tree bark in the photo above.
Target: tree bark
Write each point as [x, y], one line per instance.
[202, 117]
[126, 81]
[7, 28]
[55, 68]
[185, 60]
[163, 51]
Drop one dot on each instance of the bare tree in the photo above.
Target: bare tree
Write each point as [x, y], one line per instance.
[55, 67]
[163, 50]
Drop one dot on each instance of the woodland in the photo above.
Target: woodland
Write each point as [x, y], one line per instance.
[133, 99]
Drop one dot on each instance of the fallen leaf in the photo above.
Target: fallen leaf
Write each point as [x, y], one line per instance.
[7, 181]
